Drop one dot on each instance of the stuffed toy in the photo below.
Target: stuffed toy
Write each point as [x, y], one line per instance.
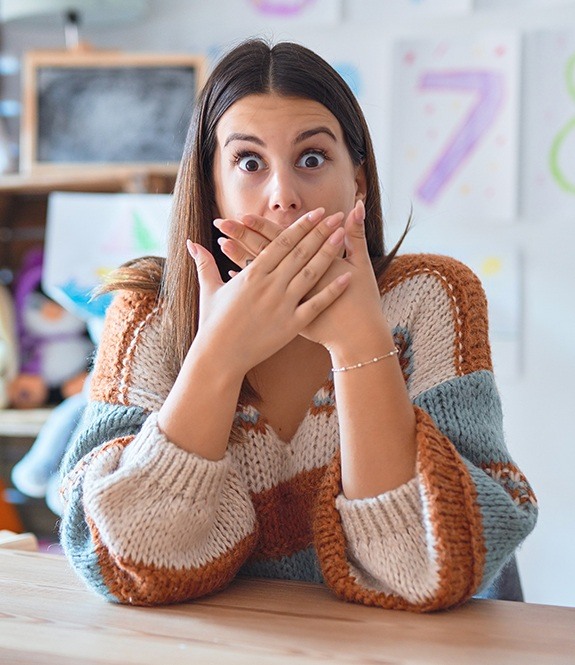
[54, 348]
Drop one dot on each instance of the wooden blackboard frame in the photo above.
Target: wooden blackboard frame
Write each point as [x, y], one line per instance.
[69, 63]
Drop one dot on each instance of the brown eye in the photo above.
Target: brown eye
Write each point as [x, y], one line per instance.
[250, 163]
[311, 160]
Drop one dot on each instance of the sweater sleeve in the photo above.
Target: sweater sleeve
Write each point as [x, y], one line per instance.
[440, 538]
[145, 522]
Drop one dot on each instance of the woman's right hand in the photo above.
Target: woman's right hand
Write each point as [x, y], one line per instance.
[258, 312]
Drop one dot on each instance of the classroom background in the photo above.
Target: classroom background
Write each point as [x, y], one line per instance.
[471, 105]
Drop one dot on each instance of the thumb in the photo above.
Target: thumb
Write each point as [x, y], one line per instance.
[355, 241]
[208, 272]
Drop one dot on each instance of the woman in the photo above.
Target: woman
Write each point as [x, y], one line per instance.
[212, 445]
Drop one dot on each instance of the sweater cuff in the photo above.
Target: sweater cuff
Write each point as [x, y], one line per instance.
[174, 469]
[390, 514]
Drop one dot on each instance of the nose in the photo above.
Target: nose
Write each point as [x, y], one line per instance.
[284, 193]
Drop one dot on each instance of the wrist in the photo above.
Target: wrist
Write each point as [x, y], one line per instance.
[365, 344]
[216, 358]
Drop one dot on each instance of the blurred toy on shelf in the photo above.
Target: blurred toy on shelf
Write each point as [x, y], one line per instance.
[53, 345]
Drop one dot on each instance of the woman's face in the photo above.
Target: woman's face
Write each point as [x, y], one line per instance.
[280, 157]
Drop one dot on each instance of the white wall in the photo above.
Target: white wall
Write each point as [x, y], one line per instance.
[538, 401]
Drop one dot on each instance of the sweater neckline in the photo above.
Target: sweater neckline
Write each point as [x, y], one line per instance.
[324, 396]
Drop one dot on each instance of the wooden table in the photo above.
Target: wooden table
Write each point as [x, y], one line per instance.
[47, 617]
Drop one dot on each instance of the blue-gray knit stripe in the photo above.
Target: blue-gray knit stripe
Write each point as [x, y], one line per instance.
[468, 411]
[505, 525]
[101, 423]
[303, 566]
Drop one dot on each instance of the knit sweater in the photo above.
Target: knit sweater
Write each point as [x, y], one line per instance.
[147, 523]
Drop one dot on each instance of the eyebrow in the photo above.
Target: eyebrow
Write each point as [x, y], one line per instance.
[302, 136]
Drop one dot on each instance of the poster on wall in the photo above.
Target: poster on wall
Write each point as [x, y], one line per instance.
[549, 124]
[88, 235]
[455, 135]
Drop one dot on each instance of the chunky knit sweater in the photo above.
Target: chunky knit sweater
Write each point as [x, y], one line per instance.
[146, 522]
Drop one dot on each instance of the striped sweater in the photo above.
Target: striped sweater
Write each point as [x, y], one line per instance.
[146, 522]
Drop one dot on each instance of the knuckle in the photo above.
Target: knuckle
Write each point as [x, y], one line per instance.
[319, 234]
[240, 231]
[299, 253]
[315, 306]
[309, 274]
[261, 246]
[257, 224]
[284, 240]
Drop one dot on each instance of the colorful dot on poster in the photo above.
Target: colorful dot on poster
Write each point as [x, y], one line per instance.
[429, 109]
[489, 192]
[409, 58]
[491, 266]
[465, 189]
[281, 7]
[500, 51]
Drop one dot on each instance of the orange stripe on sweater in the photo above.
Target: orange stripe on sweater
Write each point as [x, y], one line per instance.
[135, 583]
[284, 514]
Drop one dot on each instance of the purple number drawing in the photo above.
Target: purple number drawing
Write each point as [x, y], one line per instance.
[281, 7]
[490, 89]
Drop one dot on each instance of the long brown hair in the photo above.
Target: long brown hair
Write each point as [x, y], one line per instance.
[253, 67]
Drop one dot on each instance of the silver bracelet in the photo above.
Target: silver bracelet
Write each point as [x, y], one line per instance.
[366, 362]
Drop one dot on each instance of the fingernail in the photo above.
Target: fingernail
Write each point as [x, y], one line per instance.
[336, 237]
[343, 279]
[217, 222]
[359, 212]
[192, 249]
[316, 215]
[334, 220]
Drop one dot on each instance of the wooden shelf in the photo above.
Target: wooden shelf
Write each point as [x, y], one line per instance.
[103, 178]
[22, 422]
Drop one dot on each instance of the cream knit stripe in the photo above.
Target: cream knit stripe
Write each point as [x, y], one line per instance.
[125, 378]
[451, 294]
[433, 336]
[387, 541]
[146, 386]
[156, 504]
[266, 461]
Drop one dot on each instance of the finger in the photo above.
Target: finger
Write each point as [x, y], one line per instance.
[309, 310]
[251, 241]
[269, 229]
[235, 252]
[295, 246]
[355, 239]
[208, 272]
[305, 280]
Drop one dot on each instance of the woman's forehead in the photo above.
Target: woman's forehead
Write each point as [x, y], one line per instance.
[258, 113]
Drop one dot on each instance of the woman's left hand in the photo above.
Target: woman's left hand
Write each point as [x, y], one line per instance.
[356, 312]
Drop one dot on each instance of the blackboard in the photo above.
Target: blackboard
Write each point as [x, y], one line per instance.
[108, 109]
